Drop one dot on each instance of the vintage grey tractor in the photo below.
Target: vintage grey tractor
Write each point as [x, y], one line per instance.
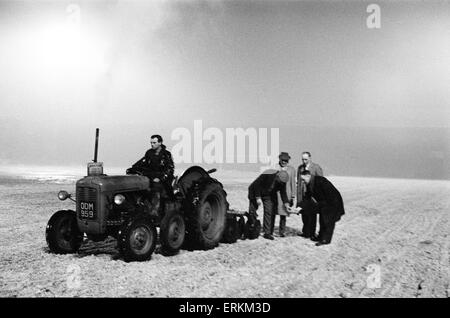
[194, 214]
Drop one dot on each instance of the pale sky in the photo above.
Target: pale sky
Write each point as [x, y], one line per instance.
[134, 68]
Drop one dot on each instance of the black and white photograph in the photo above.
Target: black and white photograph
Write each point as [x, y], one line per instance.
[224, 149]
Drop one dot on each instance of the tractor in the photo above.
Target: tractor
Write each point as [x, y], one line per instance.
[195, 214]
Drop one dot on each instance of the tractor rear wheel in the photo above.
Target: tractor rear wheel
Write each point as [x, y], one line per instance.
[137, 239]
[172, 232]
[206, 223]
[62, 233]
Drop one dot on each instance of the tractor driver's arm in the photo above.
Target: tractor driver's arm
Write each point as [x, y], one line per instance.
[169, 168]
[137, 166]
[140, 163]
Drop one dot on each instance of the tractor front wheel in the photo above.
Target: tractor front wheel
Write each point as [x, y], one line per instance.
[62, 233]
[137, 239]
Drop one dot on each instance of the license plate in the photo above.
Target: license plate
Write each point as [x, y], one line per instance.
[87, 210]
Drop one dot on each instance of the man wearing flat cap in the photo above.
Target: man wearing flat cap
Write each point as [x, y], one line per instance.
[263, 191]
[290, 190]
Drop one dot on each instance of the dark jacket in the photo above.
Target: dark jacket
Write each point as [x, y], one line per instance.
[155, 165]
[328, 198]
[315, 170]
[267, 185]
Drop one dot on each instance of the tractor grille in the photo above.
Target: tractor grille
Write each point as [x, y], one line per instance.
[86, 194]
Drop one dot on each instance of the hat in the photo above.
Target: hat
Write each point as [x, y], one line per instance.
[283, 175]
[284, 156]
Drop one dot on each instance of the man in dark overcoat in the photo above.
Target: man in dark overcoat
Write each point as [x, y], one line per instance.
[323, 196]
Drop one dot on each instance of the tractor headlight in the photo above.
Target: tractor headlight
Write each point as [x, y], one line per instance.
[118, 199]
[63, 195]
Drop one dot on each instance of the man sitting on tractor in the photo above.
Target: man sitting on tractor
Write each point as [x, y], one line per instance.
[158, 166]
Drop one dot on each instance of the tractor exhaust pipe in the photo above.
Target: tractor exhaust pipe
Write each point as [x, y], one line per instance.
[96, 144]
[95, 168]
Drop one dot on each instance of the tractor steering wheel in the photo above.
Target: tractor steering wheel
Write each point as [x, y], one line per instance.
[134, 171]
